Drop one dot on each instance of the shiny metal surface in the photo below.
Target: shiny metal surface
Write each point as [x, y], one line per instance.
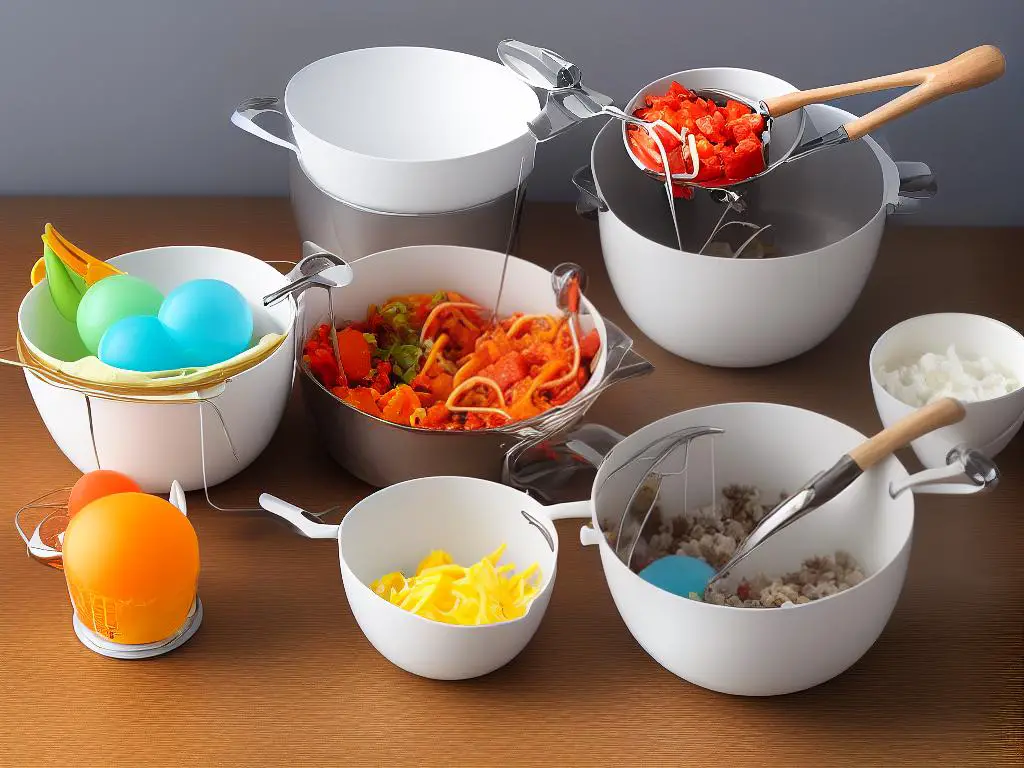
[644, 498]
[353, 232]
[309, 272]
[806, 204]
[381, 453]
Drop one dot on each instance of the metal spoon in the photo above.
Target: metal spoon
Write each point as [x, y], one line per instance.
[315, 261]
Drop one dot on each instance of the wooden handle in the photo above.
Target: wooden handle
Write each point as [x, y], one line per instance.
[933, 416]
[971, 69]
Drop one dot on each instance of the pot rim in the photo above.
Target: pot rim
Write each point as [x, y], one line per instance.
[890, 190]
[525, 133]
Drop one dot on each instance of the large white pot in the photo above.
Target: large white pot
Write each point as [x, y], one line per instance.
[406, 129]
[156, 443]
[831, 206]
[751, 651]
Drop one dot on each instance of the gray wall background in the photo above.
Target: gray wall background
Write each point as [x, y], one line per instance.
[133, 96]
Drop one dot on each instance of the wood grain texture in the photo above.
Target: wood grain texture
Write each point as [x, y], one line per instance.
[971, 69]
[279, 673]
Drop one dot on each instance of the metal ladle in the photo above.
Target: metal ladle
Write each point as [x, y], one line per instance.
[318, 267]
[315, 260]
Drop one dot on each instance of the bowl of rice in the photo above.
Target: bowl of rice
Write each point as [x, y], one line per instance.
[976, 359]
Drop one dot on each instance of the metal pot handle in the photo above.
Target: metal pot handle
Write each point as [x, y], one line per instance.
[589, 202]
[245, 115]
[976, 471]
[917, 183]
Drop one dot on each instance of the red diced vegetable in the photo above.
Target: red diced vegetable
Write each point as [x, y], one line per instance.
[590, 345]
[507, 370]
[726, 137]
[356, 355]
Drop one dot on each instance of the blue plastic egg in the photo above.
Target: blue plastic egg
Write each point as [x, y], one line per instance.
[679, 574]
[209, 319]
[140, 343]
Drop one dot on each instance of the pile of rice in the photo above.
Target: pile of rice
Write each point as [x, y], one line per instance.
[714, 532]
[934, 376]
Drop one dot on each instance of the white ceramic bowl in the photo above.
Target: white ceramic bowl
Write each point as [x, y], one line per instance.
[395, 528]
[157, 443]
[763, 652]
[406, 129]
[990, 424]
[831, 207]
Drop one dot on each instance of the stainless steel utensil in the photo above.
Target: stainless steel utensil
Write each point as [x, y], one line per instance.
[568, 100]
[644, 498]
[315, 260]
[830, 483]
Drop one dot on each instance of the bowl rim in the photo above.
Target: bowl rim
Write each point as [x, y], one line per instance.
[901, 326]
[607, 553]
[285, 333]
[525, 133]
[548, 579]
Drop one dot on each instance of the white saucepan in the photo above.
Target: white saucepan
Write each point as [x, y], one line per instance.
[405, 129]
[763, 652]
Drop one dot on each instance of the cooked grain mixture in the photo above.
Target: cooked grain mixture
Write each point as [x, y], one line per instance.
[714, 532]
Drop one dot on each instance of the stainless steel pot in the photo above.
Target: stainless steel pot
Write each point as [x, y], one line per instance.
[353, 231]
[381, 453]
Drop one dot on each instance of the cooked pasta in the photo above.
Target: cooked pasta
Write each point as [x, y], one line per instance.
[434, 362]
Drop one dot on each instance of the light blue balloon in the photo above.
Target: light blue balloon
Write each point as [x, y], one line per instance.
[209, 319]
[140, 343]
[679, 574]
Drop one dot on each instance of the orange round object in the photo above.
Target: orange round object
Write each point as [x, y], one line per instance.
[94, 485]
[132, 565]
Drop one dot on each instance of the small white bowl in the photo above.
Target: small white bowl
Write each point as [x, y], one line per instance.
[990, 424]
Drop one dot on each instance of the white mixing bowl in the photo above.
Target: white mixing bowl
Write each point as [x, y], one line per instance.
[763, 652]
[828, 212]
[395, 528]
[156, 443]
[990, 424]
[406, 129]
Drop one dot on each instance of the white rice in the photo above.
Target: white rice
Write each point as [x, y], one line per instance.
[935, 376]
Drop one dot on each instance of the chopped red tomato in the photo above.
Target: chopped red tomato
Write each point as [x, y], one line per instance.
[726, 137]
[507, 370]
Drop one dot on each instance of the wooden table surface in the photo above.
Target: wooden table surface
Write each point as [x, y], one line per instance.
[279, 673]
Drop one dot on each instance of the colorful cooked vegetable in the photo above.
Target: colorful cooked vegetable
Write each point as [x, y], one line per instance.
[725, 145]
[430, 361]
[484, 593]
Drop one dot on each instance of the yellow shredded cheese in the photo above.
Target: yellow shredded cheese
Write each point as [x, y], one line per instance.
[483, 593]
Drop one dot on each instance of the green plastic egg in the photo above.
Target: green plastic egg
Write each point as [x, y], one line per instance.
[111, 299]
